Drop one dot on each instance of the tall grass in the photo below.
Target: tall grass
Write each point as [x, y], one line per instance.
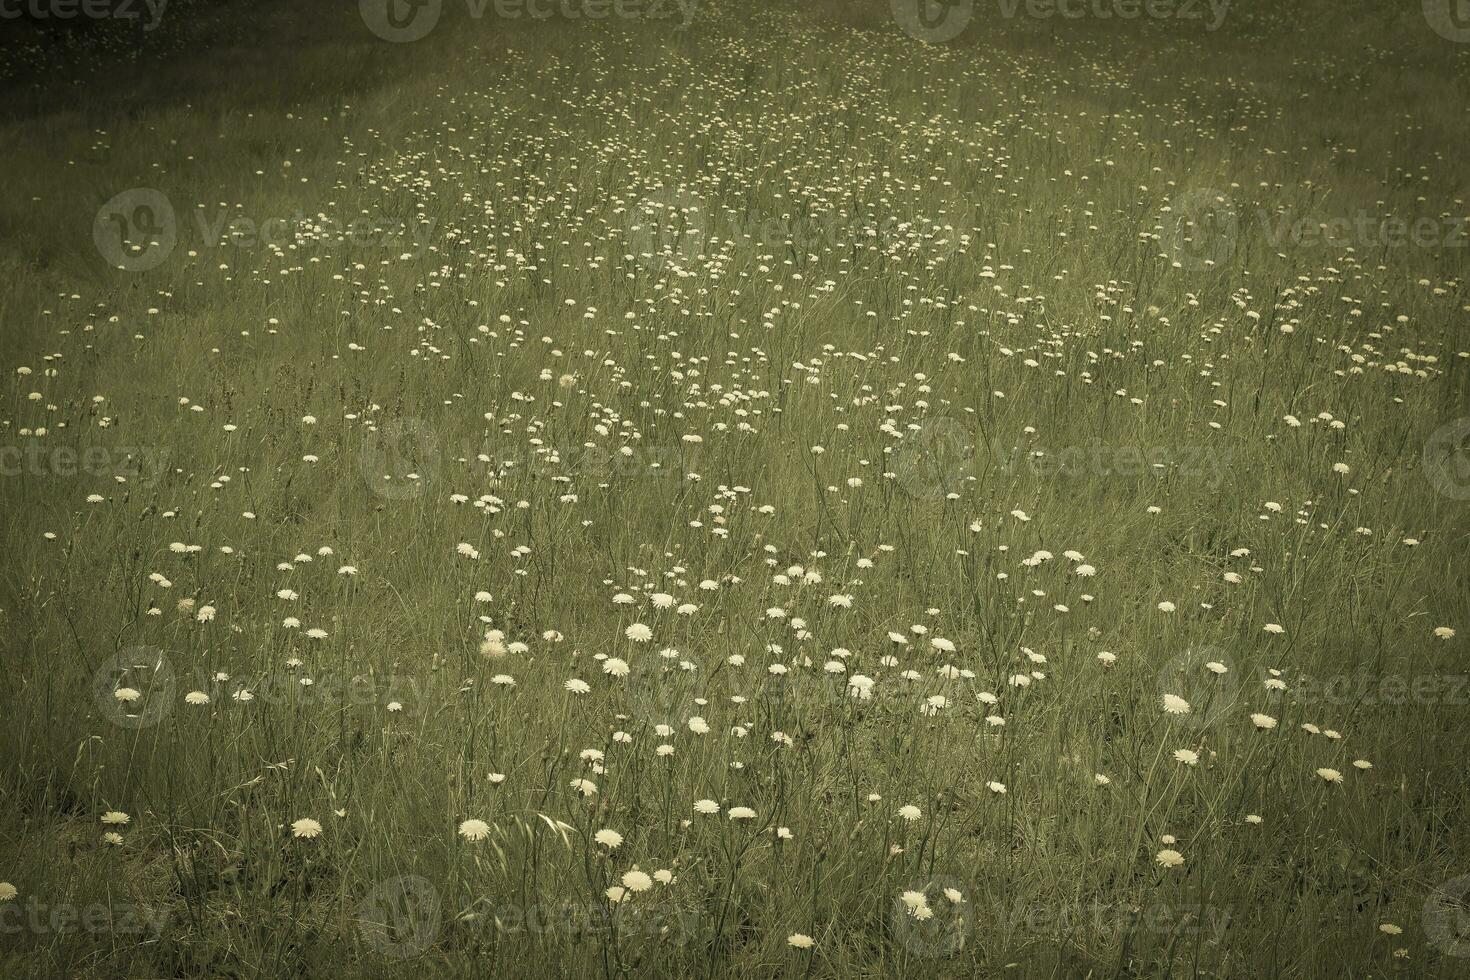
[1052, 287]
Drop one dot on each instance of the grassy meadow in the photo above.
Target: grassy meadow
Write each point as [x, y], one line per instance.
[735, 489]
